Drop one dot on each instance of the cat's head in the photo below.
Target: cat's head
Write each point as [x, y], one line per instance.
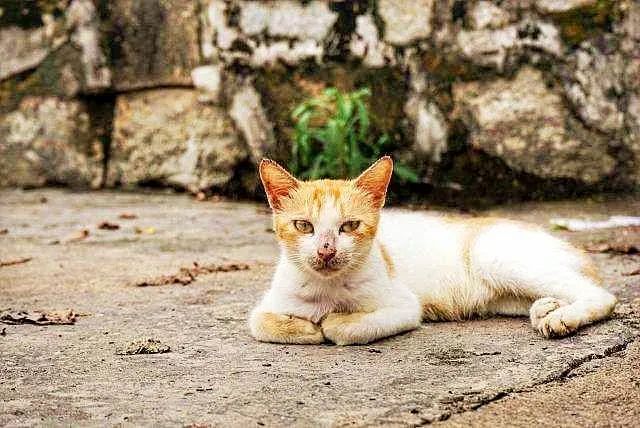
[326, 226]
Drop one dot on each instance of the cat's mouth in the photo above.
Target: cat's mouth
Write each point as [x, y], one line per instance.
[327, 268]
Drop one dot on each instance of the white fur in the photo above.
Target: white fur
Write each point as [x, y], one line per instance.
[507, 268]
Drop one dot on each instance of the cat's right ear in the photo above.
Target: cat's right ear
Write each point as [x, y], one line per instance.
[277, 182]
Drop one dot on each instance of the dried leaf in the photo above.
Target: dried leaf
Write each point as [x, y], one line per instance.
[4, 231]
[105, 225]
[215, 267]
[147, 346]
[38, 317]
[180, 278]
[186, 275]
[17, 261]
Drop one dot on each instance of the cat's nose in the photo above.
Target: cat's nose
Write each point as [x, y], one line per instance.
[326, 252]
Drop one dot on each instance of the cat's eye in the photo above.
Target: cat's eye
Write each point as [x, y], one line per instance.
[349, 226]
[303, 226]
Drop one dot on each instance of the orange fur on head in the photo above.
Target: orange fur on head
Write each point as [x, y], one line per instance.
[327, 204]
[306, 202]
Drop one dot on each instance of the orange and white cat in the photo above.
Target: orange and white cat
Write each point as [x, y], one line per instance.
[351, 273]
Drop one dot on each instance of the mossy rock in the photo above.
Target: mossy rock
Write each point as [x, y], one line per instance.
[60, 74]
[28, 13]
[581, 24]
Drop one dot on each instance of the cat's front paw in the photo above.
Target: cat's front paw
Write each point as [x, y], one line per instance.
[552, 317]
[278, 328]
[342, 329]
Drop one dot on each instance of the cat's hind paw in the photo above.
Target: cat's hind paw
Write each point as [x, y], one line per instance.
[551, 317]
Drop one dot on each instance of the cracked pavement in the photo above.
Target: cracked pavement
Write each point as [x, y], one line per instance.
[494, 372]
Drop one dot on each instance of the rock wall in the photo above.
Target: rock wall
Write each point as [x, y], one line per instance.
[484, 98]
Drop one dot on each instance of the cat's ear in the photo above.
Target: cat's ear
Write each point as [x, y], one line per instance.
[277, 182]
[376, 179]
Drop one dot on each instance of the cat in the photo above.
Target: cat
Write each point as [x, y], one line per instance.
[351, 273]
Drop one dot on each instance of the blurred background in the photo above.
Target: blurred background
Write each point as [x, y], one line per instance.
[480, 102]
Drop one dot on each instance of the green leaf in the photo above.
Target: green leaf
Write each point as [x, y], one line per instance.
[405, 173]
[363, 121]
[316, 167]
[299, 110]
[341, 145]
[330, 92]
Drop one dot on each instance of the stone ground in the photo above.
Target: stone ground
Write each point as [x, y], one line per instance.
[491, 373]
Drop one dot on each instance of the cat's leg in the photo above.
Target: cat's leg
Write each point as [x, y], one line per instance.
[281, 328]
[364, 327]
[560, 306]
[557, 278]
[565, 309]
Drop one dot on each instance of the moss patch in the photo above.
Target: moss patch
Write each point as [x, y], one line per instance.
[584, 23]
[60, 74]
[28, 13]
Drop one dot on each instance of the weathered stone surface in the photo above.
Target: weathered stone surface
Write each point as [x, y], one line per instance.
[65, 53]
[266, 32]
[82, 19]
[49, 141]
[629, 30]
[366, 44]
[167, 136]
[525, 123]
[78, 48]
[79, 29]
[217, 34]
[632, 138]
[430, 127]
[270, 53]
[289, 19]
[594, 86]
[406, 21]
[249, 116]
[153, 42]
[560, 6]
[21, 50]
[485, 14]
[208, 79]
[494, 47]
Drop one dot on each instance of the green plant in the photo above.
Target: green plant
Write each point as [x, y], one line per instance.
[332, 137]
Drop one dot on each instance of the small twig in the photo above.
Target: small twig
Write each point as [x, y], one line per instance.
[15, 261]
[632, 273]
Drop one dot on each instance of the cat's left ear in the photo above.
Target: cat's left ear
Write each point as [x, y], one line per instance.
[375, 180]
[277, 182]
